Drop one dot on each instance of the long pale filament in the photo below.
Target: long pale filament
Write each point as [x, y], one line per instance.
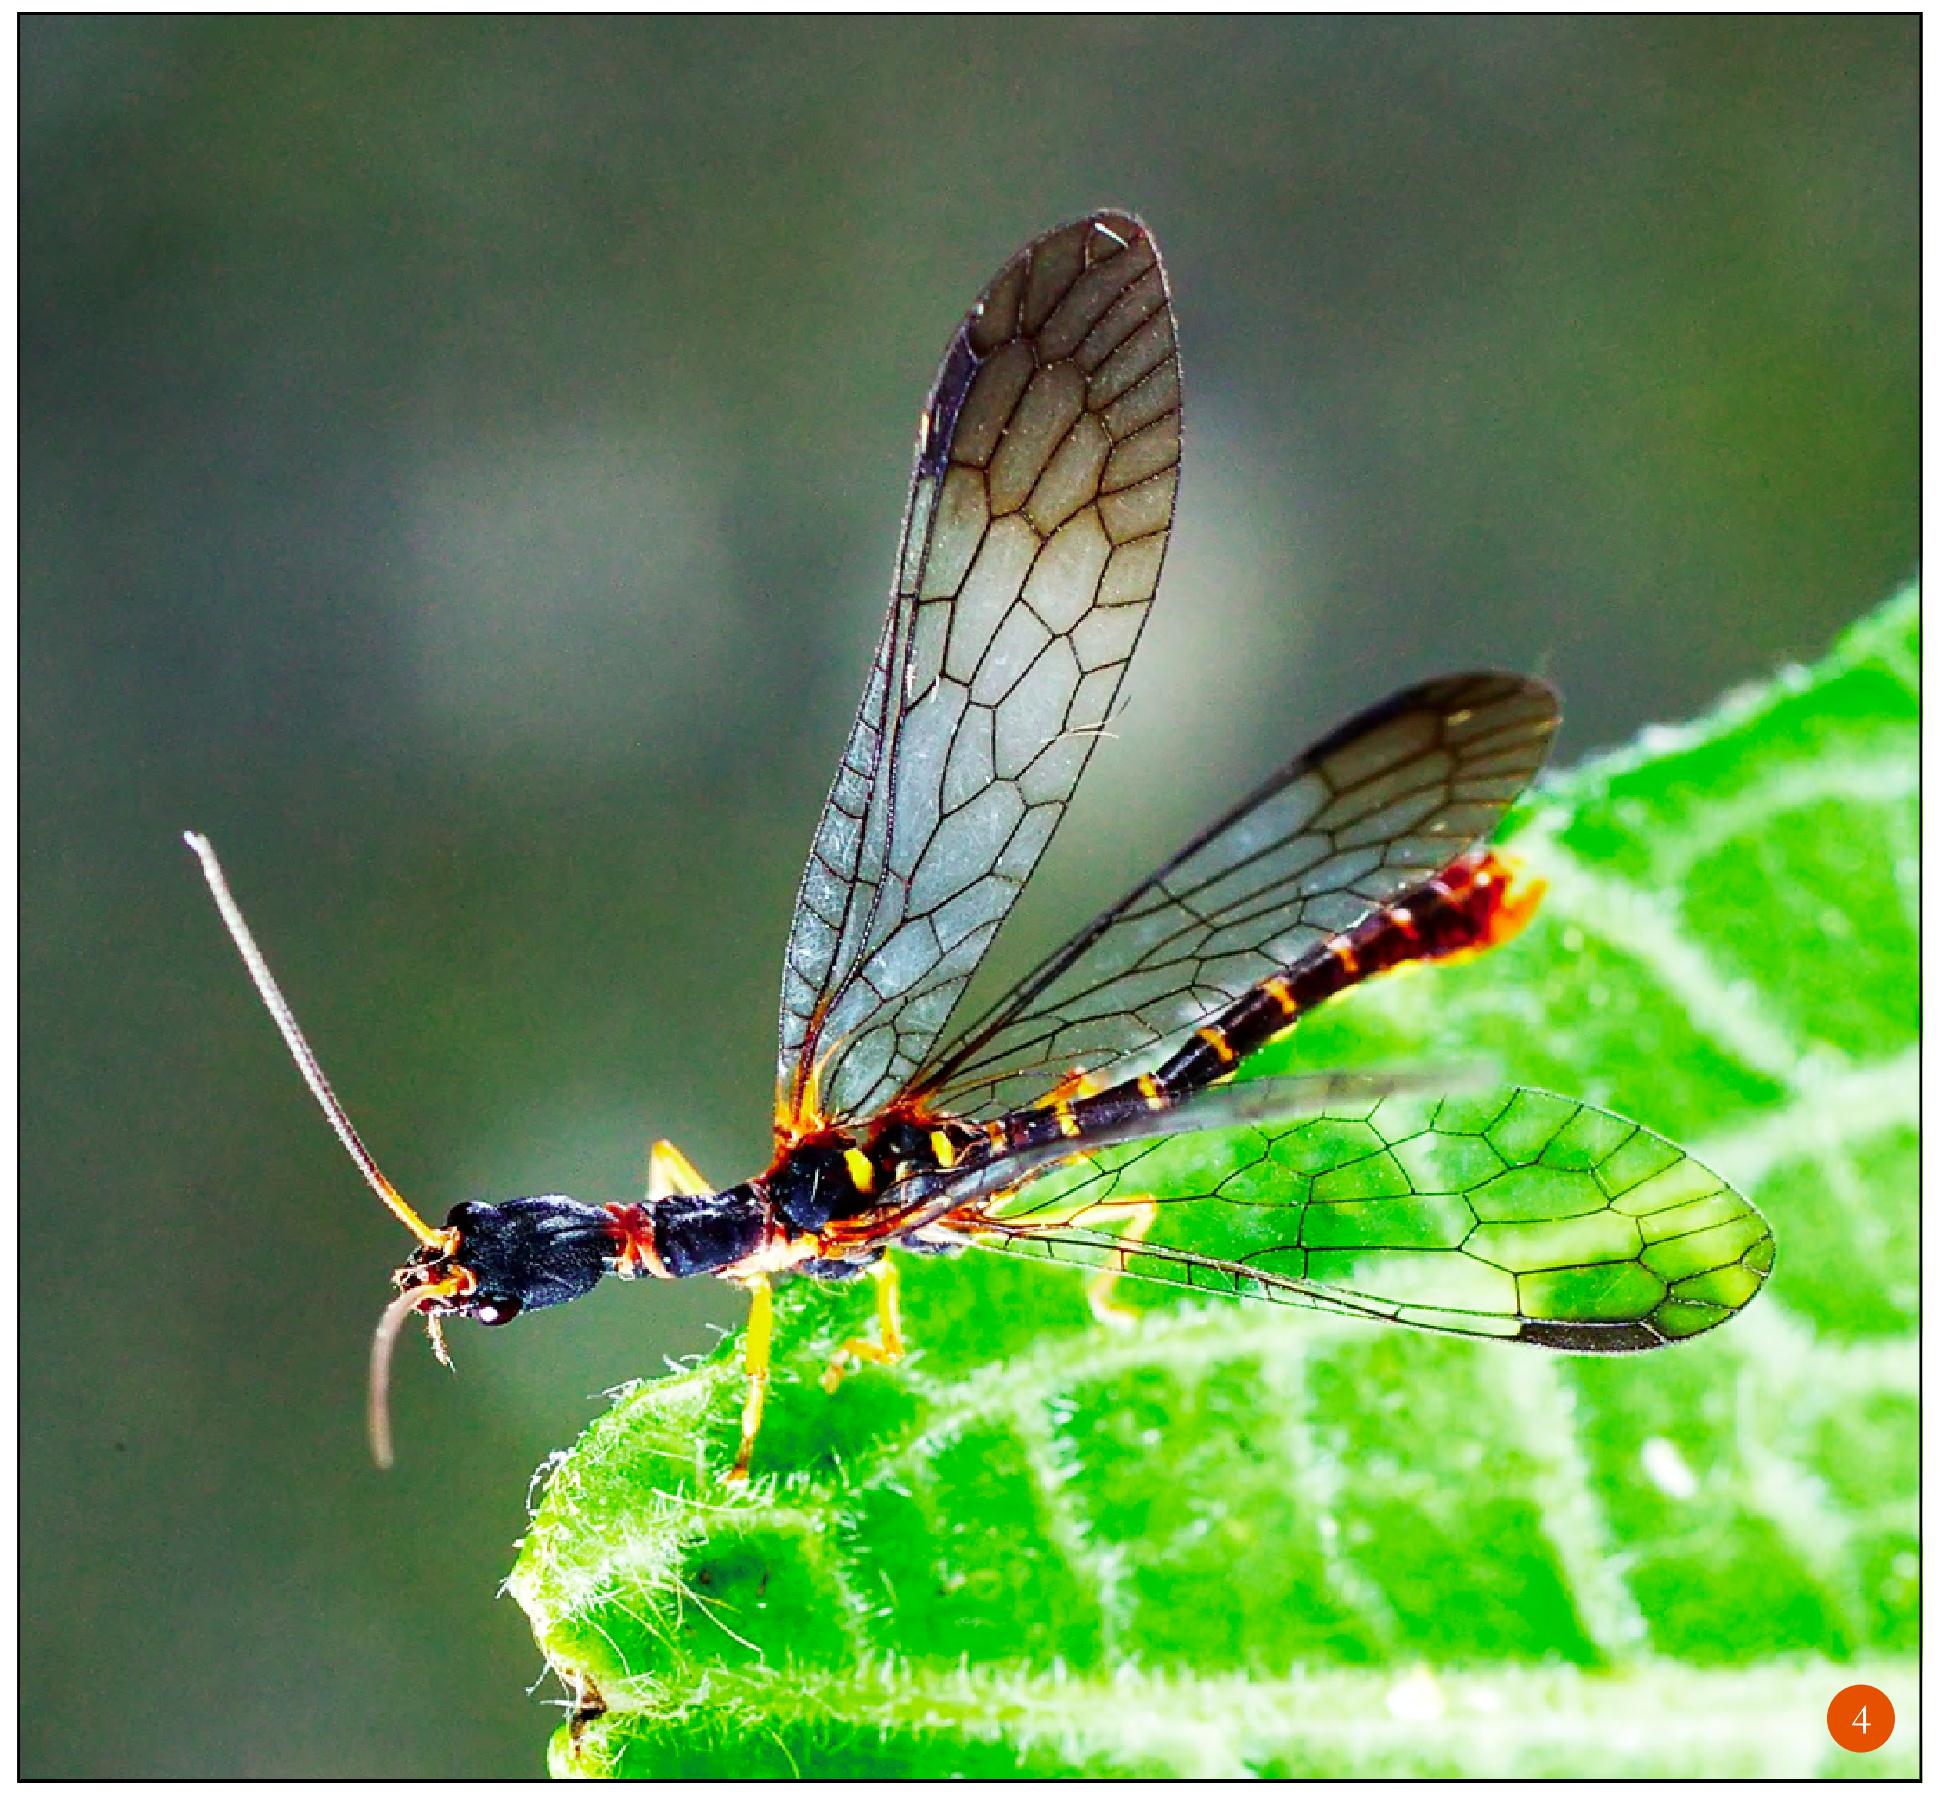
[390, 1322]
[378, 1404]
[307, 1063]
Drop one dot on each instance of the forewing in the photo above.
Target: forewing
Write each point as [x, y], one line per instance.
[1512, 1214]
[1041, 498]
[1377, 808]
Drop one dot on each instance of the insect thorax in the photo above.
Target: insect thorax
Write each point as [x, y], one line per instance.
[703, 1234]
[835, 1176]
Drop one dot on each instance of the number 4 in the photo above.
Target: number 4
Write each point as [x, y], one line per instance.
[1862, 1721]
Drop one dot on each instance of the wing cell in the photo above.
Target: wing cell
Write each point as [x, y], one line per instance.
[1042, 494]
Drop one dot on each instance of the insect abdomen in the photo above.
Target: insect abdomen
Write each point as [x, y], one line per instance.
[1479, 901]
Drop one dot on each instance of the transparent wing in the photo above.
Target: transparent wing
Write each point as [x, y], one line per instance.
[1040, 505]
[1510, 1214]
[1377, 808]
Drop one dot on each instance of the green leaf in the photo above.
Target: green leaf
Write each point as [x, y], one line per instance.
[1248, 1539]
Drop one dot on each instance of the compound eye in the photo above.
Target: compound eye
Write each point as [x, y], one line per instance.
[463, 1214]
[495, 1309]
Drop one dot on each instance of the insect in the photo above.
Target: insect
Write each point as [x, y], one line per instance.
[1053, 1123]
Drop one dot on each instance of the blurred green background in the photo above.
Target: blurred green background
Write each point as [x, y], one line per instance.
[460, 469]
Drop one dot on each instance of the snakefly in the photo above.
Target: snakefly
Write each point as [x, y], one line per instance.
[1041, 499]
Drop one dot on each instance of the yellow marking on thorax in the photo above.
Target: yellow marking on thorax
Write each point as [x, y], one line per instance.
[996, 1134]
[863, 1176]
[1063, 1116]
[1278, 990]
[1211, 1035]
[1151, 1093]
[1344, 951]
[942, 1151]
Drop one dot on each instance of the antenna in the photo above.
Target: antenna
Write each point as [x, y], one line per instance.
[301, 1052]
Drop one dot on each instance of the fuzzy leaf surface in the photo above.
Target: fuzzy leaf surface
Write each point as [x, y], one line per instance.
[1248, 1539]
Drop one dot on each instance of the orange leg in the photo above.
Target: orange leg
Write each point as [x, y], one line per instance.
[670, 1172]
[756, 1362]
[1140, 1214]
[890, 1346]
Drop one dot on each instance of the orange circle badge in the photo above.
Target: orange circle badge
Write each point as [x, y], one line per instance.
[1862, 1718]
